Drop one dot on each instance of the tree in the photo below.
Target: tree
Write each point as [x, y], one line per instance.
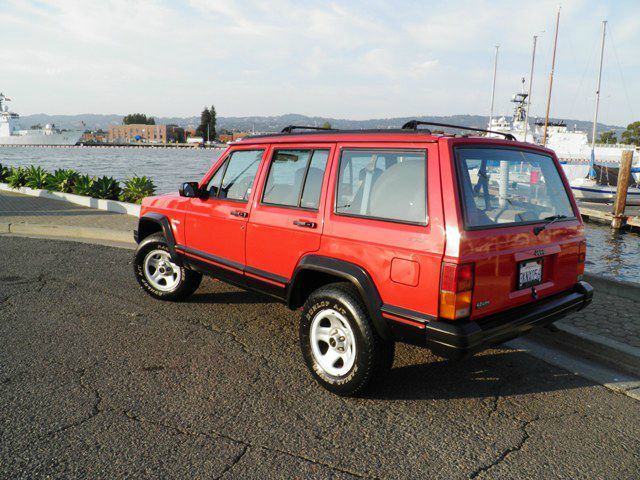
[207, 127]
[214, 120]
[326, 125]
[138, 118]
[608, 137]
[632, 134]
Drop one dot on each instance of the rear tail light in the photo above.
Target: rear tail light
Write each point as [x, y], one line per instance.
[456, 287]
[582, 256]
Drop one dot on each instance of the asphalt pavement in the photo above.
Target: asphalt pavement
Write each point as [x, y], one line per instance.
[99, 380]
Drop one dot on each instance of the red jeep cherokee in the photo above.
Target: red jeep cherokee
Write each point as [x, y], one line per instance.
[455, 243]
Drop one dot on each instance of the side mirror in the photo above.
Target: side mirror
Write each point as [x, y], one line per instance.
[189, 189]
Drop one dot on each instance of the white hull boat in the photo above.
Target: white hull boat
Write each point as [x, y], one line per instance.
[588, 190]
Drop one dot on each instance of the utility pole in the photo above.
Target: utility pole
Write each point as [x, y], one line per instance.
[493, 90]
[533, 61]
[553, 66]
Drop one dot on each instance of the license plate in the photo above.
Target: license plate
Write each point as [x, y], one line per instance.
[529, 273]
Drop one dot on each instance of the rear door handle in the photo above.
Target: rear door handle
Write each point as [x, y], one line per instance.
[239, 213]
[304, 223]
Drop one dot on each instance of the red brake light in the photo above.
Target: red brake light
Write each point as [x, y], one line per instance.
[457, 278]
[582, 255]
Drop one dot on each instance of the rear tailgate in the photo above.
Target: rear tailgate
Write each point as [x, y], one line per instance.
[506, 265]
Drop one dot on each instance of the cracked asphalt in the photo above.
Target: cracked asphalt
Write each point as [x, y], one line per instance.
[98, 380]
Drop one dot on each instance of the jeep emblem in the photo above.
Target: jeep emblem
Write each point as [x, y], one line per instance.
[538, 253]
[483, 303]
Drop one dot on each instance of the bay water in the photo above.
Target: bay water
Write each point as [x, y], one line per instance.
[615, 255]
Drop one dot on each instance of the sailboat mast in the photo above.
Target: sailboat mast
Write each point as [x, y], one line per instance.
[533, 61]
[553, 66]
[595, 114]
[493, 90]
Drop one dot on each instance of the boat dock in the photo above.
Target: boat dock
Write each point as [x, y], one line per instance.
[603, 213]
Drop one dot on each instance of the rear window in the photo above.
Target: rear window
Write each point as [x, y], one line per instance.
[502, 186]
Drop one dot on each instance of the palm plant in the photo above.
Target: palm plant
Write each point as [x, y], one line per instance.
[17, 177]
[4, 173]
[84, 185]
[37, 177]
[106, 188]
[136, 188]
[63, 180]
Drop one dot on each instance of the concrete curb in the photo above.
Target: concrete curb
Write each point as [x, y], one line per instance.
[63, 231]
[106, 205]
[619, 288]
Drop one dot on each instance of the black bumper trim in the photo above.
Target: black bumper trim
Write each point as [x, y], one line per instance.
[460, 339]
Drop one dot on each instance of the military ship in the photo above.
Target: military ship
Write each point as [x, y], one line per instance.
[10, 134]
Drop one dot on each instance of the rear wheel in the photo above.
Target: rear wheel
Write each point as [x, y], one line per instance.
[158, 275]
[341, 348]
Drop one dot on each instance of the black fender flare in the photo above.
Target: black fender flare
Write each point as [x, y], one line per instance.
[352, 273]
[165, 226]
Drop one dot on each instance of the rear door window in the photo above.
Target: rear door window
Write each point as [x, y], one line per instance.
[502, 186]
[295, 178]
[383, 185]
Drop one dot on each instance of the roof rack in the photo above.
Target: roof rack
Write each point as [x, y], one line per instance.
[291, 128]
[413, 125]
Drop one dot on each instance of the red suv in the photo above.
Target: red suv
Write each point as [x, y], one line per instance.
[451, 242]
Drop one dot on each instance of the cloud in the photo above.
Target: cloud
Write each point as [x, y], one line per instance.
[352, 59]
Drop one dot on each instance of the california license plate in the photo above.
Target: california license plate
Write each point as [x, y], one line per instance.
[529, 273]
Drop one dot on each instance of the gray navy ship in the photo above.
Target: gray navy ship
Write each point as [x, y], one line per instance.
[10, 134]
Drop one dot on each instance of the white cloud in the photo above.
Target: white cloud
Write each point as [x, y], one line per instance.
[357, 59]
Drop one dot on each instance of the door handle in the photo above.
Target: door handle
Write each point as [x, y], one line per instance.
[239, 213]
[304, 223]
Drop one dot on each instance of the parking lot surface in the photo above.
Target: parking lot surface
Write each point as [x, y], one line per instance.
[98, 380]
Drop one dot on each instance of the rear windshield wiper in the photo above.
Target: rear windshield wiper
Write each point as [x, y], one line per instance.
[548, 221]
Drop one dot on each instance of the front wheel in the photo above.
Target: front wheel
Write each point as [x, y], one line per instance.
[158, 275]
[341, 348]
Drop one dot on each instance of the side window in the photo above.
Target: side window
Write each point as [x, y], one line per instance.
[234, 178]
[383, 184]
[295, 178]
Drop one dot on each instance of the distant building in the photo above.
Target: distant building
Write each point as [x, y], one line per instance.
[97, 136]
[145, 133]
[232, 137]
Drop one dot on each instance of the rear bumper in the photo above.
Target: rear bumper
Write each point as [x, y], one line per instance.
[459, 339]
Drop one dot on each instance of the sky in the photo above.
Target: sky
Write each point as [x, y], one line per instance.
[353, 59]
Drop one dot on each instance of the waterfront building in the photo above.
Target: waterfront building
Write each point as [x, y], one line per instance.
[136, 133]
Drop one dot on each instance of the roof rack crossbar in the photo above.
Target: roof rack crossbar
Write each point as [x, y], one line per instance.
[413, 125]
[291, 128]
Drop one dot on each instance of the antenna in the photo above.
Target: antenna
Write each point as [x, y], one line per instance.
[553, 65]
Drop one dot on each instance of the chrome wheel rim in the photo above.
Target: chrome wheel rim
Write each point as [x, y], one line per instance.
[332, 343]
[160, 271]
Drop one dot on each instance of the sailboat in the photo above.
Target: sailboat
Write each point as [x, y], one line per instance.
[589, 189]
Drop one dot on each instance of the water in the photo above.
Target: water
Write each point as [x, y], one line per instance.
[615, 255]
[167, 167]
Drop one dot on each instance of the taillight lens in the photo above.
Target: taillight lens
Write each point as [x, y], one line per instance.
[582, 256]
[456, 288]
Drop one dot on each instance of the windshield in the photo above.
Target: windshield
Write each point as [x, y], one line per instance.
[504, 186]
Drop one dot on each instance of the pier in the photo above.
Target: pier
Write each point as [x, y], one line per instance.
[603, 213]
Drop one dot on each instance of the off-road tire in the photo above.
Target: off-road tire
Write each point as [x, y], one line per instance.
[188, 282]
[373, 355]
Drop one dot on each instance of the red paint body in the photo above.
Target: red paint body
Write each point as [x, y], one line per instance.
[403, 260]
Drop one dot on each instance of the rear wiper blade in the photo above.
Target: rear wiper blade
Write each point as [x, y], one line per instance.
[548, 221]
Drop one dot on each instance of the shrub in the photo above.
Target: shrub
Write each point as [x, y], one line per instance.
[4, 173]
[84, 185]
[63, 180]
[106, 188]
[17, 177]
[136, 188]
[37, 177]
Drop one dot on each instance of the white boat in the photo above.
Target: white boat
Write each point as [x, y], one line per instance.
[589, 190]
[49, 135]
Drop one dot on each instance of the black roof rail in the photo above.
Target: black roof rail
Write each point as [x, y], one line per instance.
[291, 128]
[413, 125]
